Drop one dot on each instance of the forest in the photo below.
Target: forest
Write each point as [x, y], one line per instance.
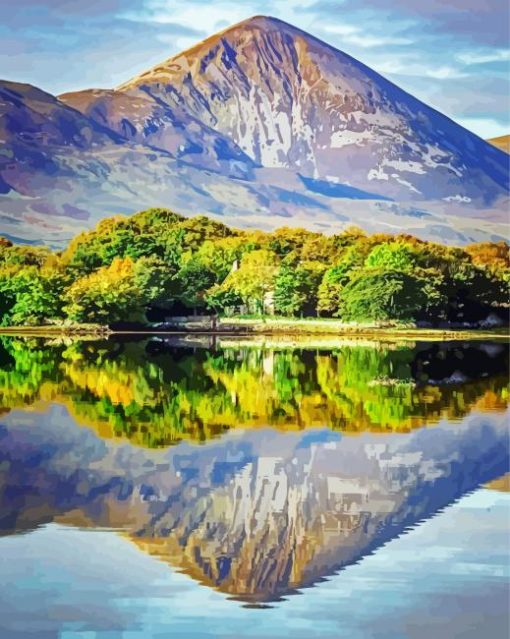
[155, 264]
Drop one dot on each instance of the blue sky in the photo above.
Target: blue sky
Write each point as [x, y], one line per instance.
[452, 54]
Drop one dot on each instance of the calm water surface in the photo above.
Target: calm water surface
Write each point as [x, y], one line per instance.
[163, 488]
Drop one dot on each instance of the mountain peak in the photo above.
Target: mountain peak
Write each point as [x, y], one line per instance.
[236, 35]
[267, 24]
[261, 21]
[258, 19]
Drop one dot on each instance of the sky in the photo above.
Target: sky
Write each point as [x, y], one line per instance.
[452, 54]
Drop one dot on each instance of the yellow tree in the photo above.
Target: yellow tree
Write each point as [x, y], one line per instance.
[254, 278]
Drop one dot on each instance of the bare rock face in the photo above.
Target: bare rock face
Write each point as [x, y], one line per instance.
[260, 124]
[502, 142]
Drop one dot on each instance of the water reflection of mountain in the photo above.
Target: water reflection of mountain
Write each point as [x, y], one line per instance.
[256, 514]
[156, 394]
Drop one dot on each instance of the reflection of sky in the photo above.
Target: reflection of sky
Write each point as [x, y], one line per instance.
[453, 55]
[446, 578]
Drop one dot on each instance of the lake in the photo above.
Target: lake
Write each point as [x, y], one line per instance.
[225, 488]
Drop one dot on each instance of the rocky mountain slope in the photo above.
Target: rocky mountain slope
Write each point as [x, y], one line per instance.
[290, 100]
[147, 121]
[263, 125]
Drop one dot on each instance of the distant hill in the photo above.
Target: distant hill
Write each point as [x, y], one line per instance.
[259, 125]
[502, 142]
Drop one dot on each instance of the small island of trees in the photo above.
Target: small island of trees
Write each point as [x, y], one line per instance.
[156, 264]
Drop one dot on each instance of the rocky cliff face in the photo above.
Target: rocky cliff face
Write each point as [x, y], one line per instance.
[262, 125]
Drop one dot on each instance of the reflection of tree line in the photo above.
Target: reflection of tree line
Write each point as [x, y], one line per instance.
[156, 396]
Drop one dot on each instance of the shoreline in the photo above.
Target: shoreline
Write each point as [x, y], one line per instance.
[262, 329]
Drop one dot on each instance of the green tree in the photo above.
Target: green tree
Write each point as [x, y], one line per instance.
[285, 240]
[220, 255]
[336, 277]
[330, 289]
[373, 296]
[254, 278]
[113, 293]
[391, 256]
[193, 280]
[30, 295]
[222, 299]
[295, 291]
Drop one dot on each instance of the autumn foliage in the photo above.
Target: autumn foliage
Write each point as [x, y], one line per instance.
[157, 263]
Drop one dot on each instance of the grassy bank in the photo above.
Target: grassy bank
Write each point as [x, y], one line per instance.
[280, 330]
[316, 326]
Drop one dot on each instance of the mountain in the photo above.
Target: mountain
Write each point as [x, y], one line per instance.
[60, 170]
[39, 134]
[502, 142]
[289, 100]
[261, 124]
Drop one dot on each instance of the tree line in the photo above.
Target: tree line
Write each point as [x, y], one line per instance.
[157, 263]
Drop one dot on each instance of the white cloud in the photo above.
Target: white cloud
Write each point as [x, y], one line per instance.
[368, 41]
[178, 43]
[340, 29]
[444, 73]
[402, 66]
[360, 37]
[205, 17]
[483, 57]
